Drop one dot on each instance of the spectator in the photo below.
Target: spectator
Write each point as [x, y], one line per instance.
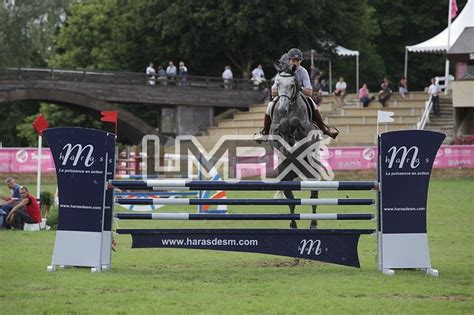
[228, 76]
[171, 71]
[315, 73]
[162, 76]
[403, 87]
[364, 95]
[258, 76]
[434, 91]
[9, 202]
[385, 92]
[324, 87]
[340, 91]
[150, 72]
[183, 73]
[18, 216]
[317, 95]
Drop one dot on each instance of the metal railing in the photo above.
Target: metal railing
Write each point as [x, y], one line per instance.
[119, 77]
[420, 125]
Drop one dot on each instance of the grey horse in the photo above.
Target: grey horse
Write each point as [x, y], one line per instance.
[291, 121]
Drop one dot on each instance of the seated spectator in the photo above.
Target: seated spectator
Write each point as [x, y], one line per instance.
[171, 72]
[26, 211]
[364, 95]
[162, 76]
[11, 201]
[324, 87]
[228, 76]
[258, 77]
[340, 91]
[150, 72]
[183, 73]
[385, 92]
[403, 87]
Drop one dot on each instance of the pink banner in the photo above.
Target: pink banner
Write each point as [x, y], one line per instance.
[25, 160]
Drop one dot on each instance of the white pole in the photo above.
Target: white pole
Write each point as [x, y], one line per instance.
[330, 76]
[446, 68]
[357, 73]
[38, 175]
[312, 58]
[405, 73]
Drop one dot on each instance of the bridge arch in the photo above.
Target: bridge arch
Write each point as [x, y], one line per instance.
[132, 128]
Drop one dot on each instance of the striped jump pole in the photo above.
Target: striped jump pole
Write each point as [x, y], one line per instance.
[259, 202]
[177, 184]
[157, 193]
[241, 217]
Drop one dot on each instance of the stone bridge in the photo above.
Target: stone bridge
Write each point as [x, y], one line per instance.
[192, 102]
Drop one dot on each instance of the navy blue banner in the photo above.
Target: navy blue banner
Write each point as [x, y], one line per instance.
[80, 156]
[405, 163]
[331, 246]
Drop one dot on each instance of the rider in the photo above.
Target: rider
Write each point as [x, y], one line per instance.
[296, 56]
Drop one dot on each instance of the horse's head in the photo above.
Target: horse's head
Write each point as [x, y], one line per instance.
[286, 84]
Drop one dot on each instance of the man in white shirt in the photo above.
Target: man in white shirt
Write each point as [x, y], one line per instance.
[340, 91]
[227, 75]
[433, 91]
[258, 76]
[150, 72]
[171, 71]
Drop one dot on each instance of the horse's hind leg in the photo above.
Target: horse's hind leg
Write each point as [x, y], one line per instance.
[289, 195]
[314, 195]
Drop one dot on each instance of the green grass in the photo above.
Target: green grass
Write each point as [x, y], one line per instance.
[192, 281]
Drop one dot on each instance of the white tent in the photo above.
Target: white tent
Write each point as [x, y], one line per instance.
[439, 43]
[343, 52]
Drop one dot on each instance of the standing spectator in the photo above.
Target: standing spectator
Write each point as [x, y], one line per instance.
[150, 72]
[403, 87]
[364, 95]
[324, 87]
[340, 91]
[162, 76]
[317, 95]
[434, 91]
[228, 76]
[315, 73]
[258, 76]
[385, 92]
[171, 71]
[183, 73]
[18, 216]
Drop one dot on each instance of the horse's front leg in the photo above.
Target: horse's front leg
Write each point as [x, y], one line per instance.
[289, 195]
[314, 195]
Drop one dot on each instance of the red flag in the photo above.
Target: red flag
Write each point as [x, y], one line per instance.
[40, 123]
[110, 116]
[454, 9]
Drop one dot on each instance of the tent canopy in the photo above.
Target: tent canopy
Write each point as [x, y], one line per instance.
[439, 43]
[340, 51]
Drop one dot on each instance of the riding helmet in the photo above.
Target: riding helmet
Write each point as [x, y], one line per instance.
[295, 53]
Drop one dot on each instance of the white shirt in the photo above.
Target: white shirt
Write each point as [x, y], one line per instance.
[257, 74]
[227, 74]
[434, 89]
[150, 71]
[341, 85]
[171, 70]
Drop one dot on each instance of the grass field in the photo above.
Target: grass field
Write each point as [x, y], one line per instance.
[174, 281]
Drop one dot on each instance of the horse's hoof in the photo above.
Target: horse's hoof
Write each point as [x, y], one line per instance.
[293, 225]
[313, 225]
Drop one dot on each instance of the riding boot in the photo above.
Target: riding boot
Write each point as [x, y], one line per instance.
[266, 125]
[318, 119]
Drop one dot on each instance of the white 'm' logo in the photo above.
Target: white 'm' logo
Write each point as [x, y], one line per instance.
[314, 245]
[414, 161]
[89, 160]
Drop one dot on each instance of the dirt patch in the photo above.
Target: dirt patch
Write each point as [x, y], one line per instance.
[285, 263]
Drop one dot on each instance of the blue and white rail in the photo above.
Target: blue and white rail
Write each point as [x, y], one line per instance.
[241, 217]
[259, 202]
[178, 184]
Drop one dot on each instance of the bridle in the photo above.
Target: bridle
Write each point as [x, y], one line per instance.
[291, 98]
